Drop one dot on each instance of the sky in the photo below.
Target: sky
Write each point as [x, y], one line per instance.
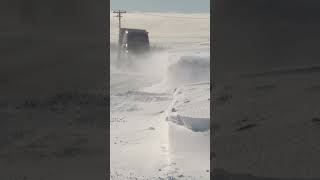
[182, 6]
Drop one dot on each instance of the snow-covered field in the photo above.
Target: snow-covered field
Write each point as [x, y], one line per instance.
[160, 120]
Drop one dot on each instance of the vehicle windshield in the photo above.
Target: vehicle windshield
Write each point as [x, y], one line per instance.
[138, 38]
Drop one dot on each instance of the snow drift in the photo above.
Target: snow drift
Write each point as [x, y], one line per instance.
[187, 69]
[191, 107]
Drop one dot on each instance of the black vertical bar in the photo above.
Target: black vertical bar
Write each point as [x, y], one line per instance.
[54, 89]
[265, 73]
[212, 84]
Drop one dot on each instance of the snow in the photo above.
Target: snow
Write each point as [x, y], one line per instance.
[191, 107]
[144, 144]
[148, 140]
[187, 69]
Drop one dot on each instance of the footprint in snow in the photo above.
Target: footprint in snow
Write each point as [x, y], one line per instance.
[186, 101]
[151, 128]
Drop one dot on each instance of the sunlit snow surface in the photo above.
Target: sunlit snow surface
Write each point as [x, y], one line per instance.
[160, 115]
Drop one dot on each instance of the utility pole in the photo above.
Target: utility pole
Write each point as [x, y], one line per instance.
[119, 16]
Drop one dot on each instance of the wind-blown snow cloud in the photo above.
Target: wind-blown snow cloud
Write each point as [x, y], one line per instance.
[166, 27]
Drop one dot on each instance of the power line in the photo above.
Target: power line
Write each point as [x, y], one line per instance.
[178, 17]
[180, 37]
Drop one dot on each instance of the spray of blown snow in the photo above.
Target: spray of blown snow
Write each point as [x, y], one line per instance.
[166, 69]
[151, 66]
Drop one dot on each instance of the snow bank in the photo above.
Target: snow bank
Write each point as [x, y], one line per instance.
[191, 107]
[188, 73]
[187, 69]
[139, 112]
[181, 66]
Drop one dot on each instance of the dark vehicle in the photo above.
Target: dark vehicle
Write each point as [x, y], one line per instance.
[133, 43]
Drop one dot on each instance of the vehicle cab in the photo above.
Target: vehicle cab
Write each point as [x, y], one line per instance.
[134, 41]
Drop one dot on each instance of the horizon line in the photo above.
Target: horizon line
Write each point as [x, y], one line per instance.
[138, 11]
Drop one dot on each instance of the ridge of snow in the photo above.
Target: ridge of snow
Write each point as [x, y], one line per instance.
[191, 107]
